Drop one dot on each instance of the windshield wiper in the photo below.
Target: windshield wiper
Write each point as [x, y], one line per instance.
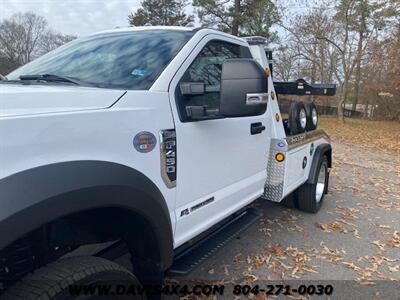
[50, 78]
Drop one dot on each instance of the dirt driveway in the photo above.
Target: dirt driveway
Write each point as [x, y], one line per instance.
[353, 243]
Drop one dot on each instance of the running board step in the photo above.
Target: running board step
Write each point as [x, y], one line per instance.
[194, 256]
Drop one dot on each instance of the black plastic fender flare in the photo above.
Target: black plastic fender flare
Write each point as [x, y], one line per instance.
[34, 197]
[322, 149]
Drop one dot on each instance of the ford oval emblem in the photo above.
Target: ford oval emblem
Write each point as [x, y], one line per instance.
[144, 142]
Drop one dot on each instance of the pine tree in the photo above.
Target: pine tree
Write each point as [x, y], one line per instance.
[161, 12]
[239, 17]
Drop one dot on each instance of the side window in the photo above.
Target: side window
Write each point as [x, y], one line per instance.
[205, 73]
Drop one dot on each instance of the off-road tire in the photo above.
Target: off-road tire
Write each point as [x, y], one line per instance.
[306, 194]
[52, 282]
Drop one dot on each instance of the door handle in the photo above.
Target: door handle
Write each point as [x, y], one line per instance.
[257, 128]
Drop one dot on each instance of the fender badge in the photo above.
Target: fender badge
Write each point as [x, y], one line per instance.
[281, 144]
[144, 142]
[312, 149]
[304, 162]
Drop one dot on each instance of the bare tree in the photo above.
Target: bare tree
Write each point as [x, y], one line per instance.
[285, 63]
[382, 77]
[313, 59]
[345, 44]
[327, 43]
[12, 42]
[20, 36]
[52, 40]
[24, 37]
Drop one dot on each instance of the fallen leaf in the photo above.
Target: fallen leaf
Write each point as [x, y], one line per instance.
[395, 240]
[394, 269]
[384, 226]
[379, 245]
[332, 227]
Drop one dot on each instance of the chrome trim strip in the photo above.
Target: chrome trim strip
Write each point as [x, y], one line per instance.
[201, 204]
[305, 138]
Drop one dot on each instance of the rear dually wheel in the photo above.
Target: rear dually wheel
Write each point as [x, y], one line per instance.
[297, 118]
[311, 195]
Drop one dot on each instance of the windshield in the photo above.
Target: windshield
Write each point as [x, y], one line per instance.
[129, 60]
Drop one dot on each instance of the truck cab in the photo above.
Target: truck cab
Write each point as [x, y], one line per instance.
[150, 139]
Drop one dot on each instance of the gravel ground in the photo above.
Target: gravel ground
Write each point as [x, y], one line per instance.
[353, 243]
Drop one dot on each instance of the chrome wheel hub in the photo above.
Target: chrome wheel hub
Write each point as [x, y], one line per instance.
[303, 118]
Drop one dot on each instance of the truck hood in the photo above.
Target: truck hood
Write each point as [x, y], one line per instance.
[17, 100]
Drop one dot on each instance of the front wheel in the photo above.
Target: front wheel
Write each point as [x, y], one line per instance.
[311, 195]
[83, 278]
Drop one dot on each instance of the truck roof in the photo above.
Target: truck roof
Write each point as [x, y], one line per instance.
[142, 28]
[175, 28]
[256, 40]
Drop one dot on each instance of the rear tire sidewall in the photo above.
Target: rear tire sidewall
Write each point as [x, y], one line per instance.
[309, 106]
[294, 117]
[318, 204]
[306, 194]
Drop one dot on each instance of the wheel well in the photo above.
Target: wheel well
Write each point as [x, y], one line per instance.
[90, 227]
[321, 151]
[101, 225]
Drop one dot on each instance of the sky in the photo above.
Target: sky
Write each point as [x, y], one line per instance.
[74, 17]
[83, 17]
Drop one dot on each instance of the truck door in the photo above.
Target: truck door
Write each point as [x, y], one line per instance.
[221, 165]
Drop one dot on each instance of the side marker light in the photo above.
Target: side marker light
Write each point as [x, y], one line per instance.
[280, 157]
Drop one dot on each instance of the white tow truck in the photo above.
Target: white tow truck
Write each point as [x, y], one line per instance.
[150, 140]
